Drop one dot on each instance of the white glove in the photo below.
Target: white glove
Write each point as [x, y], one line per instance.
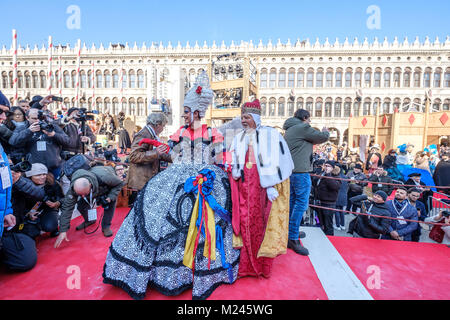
[272, 194]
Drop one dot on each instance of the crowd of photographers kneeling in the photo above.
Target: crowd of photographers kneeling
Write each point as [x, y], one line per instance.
[45, 175]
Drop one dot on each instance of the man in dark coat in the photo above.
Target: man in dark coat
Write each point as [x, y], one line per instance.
[415, 180]
[378, 178]
[371, 227]
[327, 191]
[441, 175]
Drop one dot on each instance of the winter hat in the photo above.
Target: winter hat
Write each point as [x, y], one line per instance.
[253, 109]
[382, 194]
[36, 169]
[3, 100]
[358, 166]
[200, 96]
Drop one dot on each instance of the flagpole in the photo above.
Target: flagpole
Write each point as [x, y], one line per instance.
[77, 98]
[49, 67]
[15, 80]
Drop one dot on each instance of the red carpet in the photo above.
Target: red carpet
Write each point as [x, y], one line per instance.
[293, 276]
[408, 271]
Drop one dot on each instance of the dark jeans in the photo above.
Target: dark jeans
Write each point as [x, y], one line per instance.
[18, 251]
[326, 218]
[48, 220]
[339, 217]
[350, 206]
[108, 214]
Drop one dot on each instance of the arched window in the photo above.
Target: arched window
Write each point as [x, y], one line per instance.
[427, 78]
[309, 105]
[328, 107]
[115, 105]
[107, 79]
[99, 80]
[107, 106]
[376, 105]
[447, 78]
[387, 78]
[377, 78]
[446, 105]
[436, 105]
[348, 78]
[319, 78]
[407, 78]
[272, 78]
[347, 107]
[83, 79]
[397, 104]
[310, 78]
[417, 75]
[290, 107]
[358, 78]
[4, 80]
[300, 78]
[329, 78]
[66, 79]
[366, 107]
[291, 78]
[406, 103]
[263, 78]
[115, 78]
[74, 78]
[132, 103]
[368, 78]
[132, 80]
[437, 77]
[19, 80]
[387, 105]
[319, 105]
[99, 103]
[11, 80]
[338, 82]
[299, 104]
[356, 108]
[43, 82]
[141, 82]
[124, 80]
[337, 107]
[263, 106]
[281, 107]
[282, 78]
[272, 103]
[140, 106]
[397, 74]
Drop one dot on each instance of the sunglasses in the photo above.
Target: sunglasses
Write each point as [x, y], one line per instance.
[7, 113]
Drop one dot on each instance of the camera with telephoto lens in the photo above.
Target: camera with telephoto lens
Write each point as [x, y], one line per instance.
[43, 123]
[103, 202]
[23, 166]
[85, 115]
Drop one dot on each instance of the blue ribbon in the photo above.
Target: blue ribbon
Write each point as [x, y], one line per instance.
[220, 246]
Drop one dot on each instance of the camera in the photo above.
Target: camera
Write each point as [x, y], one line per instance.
[85, 115]
[23, 166]
[446, 214]
[43, 123]
[49, 198]
[103, 202]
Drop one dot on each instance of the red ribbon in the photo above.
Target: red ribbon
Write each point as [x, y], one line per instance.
[154, 143]
[199, 90]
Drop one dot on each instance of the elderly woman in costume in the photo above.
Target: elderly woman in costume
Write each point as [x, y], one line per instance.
[261, 167]
[179, 234]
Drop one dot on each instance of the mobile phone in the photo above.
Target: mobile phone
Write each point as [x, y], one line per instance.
[57, 99]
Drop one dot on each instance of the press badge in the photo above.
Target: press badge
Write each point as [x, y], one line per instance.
[6, 179]
[92, 215]
[401, 221]
[380, 186]
[41, 146]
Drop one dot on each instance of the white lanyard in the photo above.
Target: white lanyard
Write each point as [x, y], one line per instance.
[91, 203]
[401, 211]
[149, 128]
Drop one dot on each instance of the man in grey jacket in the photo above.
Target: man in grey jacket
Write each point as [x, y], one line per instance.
[99, 185]
[301, 137]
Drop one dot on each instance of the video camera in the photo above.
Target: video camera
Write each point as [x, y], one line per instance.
[85, 115]
[43, 122]
[23, 166]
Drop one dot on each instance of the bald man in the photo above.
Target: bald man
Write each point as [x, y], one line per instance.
[98, 186]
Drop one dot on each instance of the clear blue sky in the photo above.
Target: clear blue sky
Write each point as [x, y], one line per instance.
[174, 20]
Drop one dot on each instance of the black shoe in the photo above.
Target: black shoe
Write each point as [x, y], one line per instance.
[85, 225]
[302, 235]
[297, 247]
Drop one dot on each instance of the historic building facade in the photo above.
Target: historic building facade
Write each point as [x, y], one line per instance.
[334, 81]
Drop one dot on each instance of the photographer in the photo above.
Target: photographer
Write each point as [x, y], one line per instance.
[17, 251]
[41, 140]
[99, 185]
[36, 200]
[378, 178]
[79, 133]
[5, 131]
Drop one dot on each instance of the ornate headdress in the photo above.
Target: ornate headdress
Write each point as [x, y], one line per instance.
[200, 96]
[252, 107]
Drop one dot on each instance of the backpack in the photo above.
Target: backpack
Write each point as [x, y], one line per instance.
[75, 163]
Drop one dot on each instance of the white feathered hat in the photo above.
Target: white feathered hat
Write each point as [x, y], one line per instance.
[200, 96]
